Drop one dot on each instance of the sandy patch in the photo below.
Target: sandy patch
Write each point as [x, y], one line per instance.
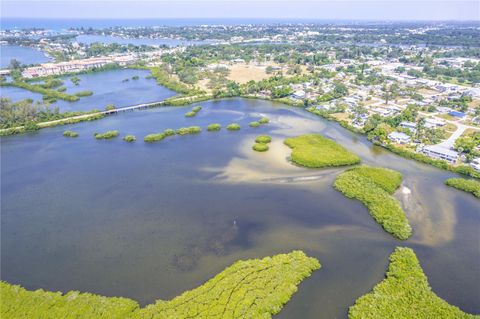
[242, 73]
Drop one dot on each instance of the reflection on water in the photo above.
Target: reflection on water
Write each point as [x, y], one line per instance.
[149, 221]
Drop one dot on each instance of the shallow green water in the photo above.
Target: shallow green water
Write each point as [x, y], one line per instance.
[148, 221]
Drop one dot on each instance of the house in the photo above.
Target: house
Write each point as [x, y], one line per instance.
[399, 138]
[439, 152]
[433, 122]
[412, 126]
[382, 112]
[300, 94]
[476, 164]
[457, 114]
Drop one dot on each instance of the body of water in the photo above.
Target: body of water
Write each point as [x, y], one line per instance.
[149, 221]
[89, 39]
[23, 54]
[108, 87]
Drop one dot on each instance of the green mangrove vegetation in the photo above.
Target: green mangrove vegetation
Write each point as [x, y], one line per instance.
[260, 147]
[188, 130]
[193, 112]
[254, 124]
[373, 186]
[70, 134]
[48, 94]
[107, 135]
[129, 138]
[316, 151]
[404, 293]
[264, 120]
[264, 139]
[233, 127]
[256, 288]
[467, 185]
[214, 127]
[83, 93]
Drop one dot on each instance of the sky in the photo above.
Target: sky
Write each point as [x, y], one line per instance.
[273, 9]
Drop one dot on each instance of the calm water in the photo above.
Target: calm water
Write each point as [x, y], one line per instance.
[23, 54]
[89, 39]
[108, 88]
[148, 221]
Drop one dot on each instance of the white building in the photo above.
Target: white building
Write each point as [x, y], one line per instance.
[439, 152]
[412, 126]
[399, 138]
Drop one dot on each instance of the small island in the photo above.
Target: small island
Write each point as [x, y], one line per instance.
[373, 186]
[316, 151]
[272, 282]
[467, 185]
[107, 135]
[404, 293]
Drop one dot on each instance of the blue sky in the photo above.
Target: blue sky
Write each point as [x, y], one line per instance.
[306, 9]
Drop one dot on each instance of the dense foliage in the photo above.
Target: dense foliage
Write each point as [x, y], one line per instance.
[50, 95]
[260, 147]
[264, 139]
[214, 127]
[193, 112]
[256, 288]
[107, 135]
[254, 124]
[129, 138]
[373, 186]
[404, 293]
[316, 151]
[233, 127]
[467, 185]
[70, 134]
[188, 130]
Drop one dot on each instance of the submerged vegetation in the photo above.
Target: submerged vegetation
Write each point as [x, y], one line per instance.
[233, 127]
[83, 93]
[404, 293]
[467, 185]
[129, 138]
[256, 288]
[107, 135]
[214, 127]
[70, 134]
[373, 186]
[316, 151]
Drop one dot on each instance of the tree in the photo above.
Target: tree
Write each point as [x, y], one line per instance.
[14, 64]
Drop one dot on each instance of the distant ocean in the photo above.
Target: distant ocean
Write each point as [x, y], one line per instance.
[62, 24]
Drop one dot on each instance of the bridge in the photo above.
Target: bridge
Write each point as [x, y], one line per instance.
[133, 107]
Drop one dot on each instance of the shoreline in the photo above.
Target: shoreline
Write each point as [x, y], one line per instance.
[181, 101]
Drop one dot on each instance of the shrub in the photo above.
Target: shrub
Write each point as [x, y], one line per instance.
[169, 132]
[233, 127]
[254, 124]
[109, 107]
[373, 186]
[264, 120]
[404, 293]
[107, 135]
[61, 89]
[197, 108]
[83, 93]
[70, 134]
[190, 114]
[129, 138]
[189, 130]
[316, 151]
[264, 139]
[272, 282]
[150, 138]
[467, 185]
[214, 127]
[260, 147]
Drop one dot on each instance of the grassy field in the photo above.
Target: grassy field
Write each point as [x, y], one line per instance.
[467, 185]
[404, 293]
[316, 151]
[256, 288]
[373, 186]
